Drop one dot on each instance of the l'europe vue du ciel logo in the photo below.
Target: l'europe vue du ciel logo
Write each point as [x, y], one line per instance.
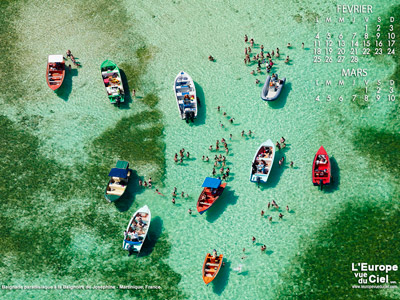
[368, 274]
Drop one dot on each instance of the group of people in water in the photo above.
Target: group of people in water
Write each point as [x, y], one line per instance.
[181, 156]
[262, 58]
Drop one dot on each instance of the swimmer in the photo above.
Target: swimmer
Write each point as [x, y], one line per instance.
[133, 93]
[252, 72]
[253, 239]
[278, 145]
[230, 136]
[231, 120]
[272, 53]
[302, 45]
[207, 159]
[242, 132]
[173, 200]
[189, 211]
[202, 158]
[246, 39]
[289, 45]
[252, 42]
[282, 140]
[210, 148]
[287, 208]
[287, 59]
[269, 205]
[183, 194]
[291, 164]
[219, 108]
[250, 132]
[263, 248]
[187, 154]
[140, 183]
[245, 51]
[270, 219]
[257, 81]
[210, 58]
[262, 48]
[224, 114]
[262, 213]
[249, 50]
[280, 216]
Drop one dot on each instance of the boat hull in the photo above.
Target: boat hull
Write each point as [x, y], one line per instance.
[117, 186]
[271, 93]
[321, 172]
[55, 73]
[136, 246]
[262, 162]
[185, 96]
[211, 267]
[112, 81]
[210, 198]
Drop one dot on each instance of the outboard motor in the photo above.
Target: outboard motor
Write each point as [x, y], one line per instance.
[192, 116]
[118, 102]
[187, 116]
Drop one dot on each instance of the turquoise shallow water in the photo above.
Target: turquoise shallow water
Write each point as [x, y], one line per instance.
[73, 139]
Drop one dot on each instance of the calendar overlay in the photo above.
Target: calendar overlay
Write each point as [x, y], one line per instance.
[351, 55]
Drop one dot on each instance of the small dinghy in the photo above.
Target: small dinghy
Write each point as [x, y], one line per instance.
[213, 188]
[185, 94]
[137, 230]
[321, 174]
[211, 267]
[262, 162]
[55, 71]
[112, 81]
[119, 177]
[272, 88]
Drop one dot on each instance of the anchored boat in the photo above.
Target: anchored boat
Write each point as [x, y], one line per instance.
[211, 267]
[272, 88]
[321, 173]
[119, 177]
[113, 82]
[55, 71]
[262, 162]
[213, 188]
[185, 94]
[137, 230]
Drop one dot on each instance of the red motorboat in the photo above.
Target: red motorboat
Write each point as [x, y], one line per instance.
[55, 72]
[213, 188]
[321, 173]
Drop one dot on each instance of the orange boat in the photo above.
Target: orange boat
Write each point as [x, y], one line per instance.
[211, 267]
[55, 71]
[321, 174]
[213, 188]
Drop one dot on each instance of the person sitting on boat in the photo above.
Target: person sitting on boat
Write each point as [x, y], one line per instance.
[134, 236]
[215, 254]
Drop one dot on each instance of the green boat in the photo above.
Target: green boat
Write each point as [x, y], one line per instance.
[119, 177]
[112, 81]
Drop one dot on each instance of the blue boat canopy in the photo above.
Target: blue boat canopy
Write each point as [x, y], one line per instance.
[213, 183]
[121, 173]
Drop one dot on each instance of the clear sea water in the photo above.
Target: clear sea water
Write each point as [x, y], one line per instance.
[57, 228]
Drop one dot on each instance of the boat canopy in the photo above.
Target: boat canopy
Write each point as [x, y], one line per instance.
[121, 173]
[121, 164]
[108, 65]
[55, 58]
[213, 183]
